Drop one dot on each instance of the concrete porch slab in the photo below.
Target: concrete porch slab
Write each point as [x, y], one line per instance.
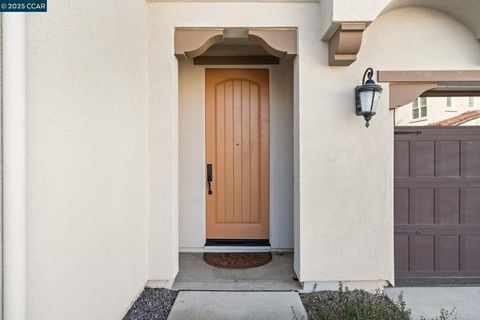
[195, 274]
[207, 305]
[427, 301]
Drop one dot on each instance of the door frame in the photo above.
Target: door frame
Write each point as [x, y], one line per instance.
[240, 242]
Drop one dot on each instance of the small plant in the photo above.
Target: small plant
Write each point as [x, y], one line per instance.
[349, 304]
[346, 304]
[445, 315]
[402, 306]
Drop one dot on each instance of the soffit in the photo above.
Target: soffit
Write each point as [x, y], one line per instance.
[406, 86]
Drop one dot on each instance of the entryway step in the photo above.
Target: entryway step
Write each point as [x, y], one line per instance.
[239, 285]
[208, 305]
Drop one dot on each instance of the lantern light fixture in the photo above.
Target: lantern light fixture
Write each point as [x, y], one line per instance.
[366, 97]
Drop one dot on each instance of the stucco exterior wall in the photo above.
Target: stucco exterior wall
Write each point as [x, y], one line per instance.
[474, 122]
[87, 159]
[281, 156]
[346, 179]
[163, 18]
[192, 202]
[103, 145]
[344, 221]
[192, 214]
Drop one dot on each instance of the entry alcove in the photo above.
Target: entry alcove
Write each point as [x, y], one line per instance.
[273, 51]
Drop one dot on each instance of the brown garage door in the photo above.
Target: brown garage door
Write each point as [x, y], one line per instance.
[437, 201]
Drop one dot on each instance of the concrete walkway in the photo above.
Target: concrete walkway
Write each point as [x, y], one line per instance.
[427, 301]
[235, 305]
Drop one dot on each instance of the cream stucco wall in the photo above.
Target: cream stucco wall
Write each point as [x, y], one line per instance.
[344, 221]
[103, 145]
[164, 17]
[334, 12]
[192, 155]
[87, 159]
[281, 156]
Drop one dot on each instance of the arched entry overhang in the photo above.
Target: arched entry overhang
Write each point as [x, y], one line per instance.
[272, 44]
[344, 21]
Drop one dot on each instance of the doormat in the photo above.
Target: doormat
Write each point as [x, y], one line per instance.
[240, 260]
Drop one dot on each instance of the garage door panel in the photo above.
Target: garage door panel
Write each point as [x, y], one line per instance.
[402, 158]
[437, 202]
[471, 158]
[447, 253]
[470, 251]
[402, 201]
[447, 159]
[447, 205]
[423, 158]
[401, 253]
[424, 205]
[470, 205]
[421, 253]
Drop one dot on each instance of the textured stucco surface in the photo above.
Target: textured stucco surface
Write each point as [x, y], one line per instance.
[344, 222]
[103, 178]
[465, 11]
[333, 12]
[87, 159]
[192, 155]
[163, 18]
[346, 176]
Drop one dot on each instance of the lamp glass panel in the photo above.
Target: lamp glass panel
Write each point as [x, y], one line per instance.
[376, 96]
[368, 100]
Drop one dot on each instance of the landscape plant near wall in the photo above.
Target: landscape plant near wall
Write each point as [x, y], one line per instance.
[346, 304]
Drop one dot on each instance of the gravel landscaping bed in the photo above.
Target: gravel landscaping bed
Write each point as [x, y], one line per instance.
[153, 304]
[356, 304]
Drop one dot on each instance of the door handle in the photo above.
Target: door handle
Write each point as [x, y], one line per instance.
[209, 177]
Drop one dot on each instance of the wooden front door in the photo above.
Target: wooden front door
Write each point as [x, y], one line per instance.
[237, 138]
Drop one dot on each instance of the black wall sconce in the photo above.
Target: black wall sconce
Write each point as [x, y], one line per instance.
[366, 97]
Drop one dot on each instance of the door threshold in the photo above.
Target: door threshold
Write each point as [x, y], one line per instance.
[238, 242]
[237, 249]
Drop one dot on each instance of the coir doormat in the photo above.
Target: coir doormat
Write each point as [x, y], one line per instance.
[241, 260]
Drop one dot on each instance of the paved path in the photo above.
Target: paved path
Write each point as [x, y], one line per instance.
[235, 305]
[427, 301]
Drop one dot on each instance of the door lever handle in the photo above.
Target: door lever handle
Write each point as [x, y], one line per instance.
[209, 177]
